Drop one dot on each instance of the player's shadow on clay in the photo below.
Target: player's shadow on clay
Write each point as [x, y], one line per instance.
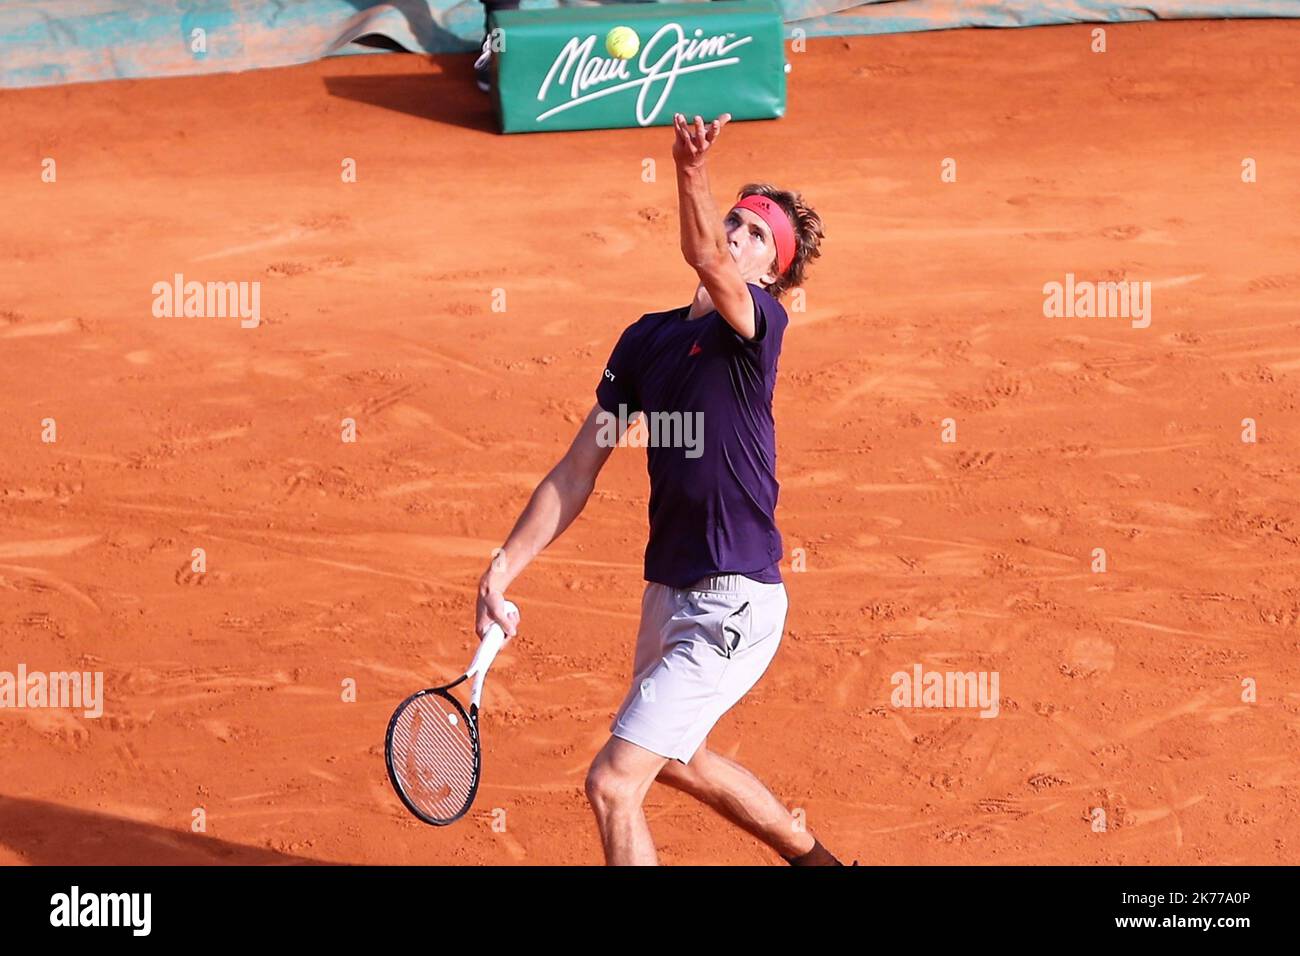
[46, 834]
[448, 97]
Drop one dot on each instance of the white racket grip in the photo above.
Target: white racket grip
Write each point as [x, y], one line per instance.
[488, 648]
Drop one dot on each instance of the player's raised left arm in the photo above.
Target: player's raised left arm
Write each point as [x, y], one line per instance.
[704, 244]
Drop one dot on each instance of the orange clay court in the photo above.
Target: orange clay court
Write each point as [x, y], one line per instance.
[328, 561]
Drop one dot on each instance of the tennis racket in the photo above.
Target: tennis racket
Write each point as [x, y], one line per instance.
[433, 748]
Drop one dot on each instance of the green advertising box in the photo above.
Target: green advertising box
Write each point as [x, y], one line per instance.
[553, 70]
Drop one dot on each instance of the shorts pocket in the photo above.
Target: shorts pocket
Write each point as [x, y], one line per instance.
[737, 627]
[715, 616]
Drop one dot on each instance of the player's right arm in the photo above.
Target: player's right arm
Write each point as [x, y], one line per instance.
[557, 500]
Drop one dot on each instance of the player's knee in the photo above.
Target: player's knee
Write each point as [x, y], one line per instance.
[606, 788]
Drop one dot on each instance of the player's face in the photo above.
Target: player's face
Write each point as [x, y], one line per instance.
[751, 245]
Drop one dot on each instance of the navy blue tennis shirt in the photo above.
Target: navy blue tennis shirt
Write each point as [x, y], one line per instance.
[712, 506]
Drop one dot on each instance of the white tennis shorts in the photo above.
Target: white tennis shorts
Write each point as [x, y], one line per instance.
[698, 651]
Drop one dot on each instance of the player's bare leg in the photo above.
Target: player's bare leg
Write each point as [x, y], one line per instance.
[741, 798]
[616, 786]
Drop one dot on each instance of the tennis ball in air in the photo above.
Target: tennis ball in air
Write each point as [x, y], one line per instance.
[622, 42]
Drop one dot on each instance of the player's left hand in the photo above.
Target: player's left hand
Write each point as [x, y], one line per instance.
[693, 140]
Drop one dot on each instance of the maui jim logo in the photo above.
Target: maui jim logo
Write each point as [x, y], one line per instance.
[666, 55]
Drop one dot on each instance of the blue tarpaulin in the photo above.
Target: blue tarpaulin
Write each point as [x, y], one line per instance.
[67, 41]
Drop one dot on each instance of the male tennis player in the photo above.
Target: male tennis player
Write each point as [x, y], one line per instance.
[714, 606]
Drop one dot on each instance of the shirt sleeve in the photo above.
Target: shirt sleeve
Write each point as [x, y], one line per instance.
[770, 321]
[618, 382]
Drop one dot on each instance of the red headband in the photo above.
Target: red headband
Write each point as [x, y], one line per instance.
[778, 222]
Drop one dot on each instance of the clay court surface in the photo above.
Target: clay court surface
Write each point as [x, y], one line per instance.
[329, 561]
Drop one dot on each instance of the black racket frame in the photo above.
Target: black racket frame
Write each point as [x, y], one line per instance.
[471, 721]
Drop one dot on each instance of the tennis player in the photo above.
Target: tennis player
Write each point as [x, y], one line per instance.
[714, 605]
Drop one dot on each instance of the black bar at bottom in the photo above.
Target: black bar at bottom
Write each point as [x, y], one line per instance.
[329, 905]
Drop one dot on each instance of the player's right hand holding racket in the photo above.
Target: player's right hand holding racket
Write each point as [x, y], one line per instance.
[433, 748]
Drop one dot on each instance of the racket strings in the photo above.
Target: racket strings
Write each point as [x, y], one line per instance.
[434, 756]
